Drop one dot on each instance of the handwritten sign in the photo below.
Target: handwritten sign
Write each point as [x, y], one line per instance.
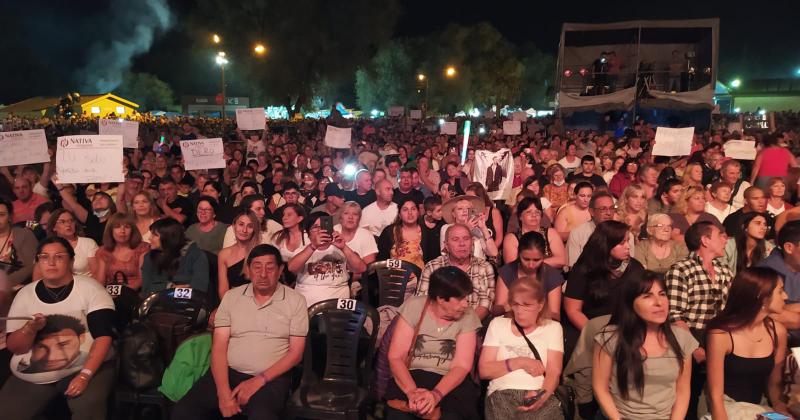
[450, 127]
[338, 138]
[88, 159]
[519, 116]
[416, 114]
[396, 111]
[512, 128]
[740, 149]
[129, 130]
[251, 118]
[23, 147]
[202, 154]
[673, 141]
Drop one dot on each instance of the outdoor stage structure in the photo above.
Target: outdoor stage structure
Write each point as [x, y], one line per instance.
[662, 70]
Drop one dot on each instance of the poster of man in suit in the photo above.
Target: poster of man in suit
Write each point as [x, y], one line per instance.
[495, 171]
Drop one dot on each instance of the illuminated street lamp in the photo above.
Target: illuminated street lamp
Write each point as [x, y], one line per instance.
[260, 49]
[420, 77]
[450, 71]
[222, 62]
[735, 83]
[216, 38]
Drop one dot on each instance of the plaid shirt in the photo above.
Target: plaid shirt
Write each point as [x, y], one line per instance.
[693, 297]
[480, 272]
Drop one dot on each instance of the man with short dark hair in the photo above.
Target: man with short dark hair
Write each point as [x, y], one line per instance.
[432, 224]
[697, 287]
[259, 336]
[601, 208]
[172, 205]
[405, 190]
[333, 203]
[587, 173]
[667, 195]
[785, 259]
[26, 202]
[755, 201]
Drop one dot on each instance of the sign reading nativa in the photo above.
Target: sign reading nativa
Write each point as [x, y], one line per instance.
[88, 159]
[202, 154]
[23, 147]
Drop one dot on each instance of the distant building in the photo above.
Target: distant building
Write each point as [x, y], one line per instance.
[212, 105]
[100, 105]
[760, 94]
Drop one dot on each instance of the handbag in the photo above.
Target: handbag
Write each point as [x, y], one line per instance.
[401, 405]
[564, 393]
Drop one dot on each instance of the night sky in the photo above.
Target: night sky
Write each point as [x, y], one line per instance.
[755, 41]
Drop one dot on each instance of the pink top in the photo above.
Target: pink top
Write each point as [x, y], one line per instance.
[775, 161]
[130, 268]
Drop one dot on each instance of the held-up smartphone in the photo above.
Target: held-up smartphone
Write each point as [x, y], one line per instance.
[531, 400]
[773, 416]
[326, 224]
[472, 214]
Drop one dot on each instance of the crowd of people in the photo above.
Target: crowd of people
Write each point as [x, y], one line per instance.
[653, 282]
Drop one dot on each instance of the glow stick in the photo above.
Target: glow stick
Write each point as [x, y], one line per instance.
[467, 125]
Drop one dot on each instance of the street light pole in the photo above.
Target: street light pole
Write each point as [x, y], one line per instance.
[222, 67]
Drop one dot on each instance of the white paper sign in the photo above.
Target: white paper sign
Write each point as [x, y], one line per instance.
[519, 116]
[495, 170]
[673, 141]
[202, 154]
[129, 130]
[250, 118]
[416, 114]
[338, 138]
[512, 128]
[23, 147]
[396, 111]
[450, 127]
[88, 159]
[740, 149]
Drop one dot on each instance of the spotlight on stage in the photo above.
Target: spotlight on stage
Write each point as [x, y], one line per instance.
[567, 73]
[584, 72]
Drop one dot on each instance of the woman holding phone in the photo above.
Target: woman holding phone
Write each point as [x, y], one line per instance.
[324, 265]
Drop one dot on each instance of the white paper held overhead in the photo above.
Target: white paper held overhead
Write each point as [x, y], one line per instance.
[23, 147]
[512, 128]
[129, 130]
[338, 138]
[250, 118]
[673, 141]
[450, 127]
[202, 154]
[740, 149]
[87, 159]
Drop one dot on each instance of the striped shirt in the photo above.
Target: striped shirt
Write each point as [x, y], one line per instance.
[480, 272]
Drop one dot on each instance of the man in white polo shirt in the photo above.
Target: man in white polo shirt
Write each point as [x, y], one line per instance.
[259, 334]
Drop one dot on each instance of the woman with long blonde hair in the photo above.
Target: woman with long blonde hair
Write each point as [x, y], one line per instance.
[690, 209]
[693, 175]
[632, 208]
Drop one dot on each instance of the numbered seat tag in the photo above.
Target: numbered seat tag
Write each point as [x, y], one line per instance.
[114, 289]
[394, 264]
[183, 293]
[346, 304]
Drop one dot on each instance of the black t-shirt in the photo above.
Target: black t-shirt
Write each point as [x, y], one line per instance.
[185, 207]
[414, 195]
[94, 228]
[581, 281]
[595, 179]
[362, 200]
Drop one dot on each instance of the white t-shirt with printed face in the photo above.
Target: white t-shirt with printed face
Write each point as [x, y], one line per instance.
[63, 350]
[500, 334]
[324, 276]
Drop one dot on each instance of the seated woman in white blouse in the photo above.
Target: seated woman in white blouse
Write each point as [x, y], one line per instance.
[517, 373]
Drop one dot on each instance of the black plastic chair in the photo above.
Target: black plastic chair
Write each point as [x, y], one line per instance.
[393, 276]
[174, 318]
[340, 392]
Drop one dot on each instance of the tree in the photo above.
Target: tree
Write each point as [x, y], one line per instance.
[307, 41]
[538, 78]
[387, 80]
[150, 92]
